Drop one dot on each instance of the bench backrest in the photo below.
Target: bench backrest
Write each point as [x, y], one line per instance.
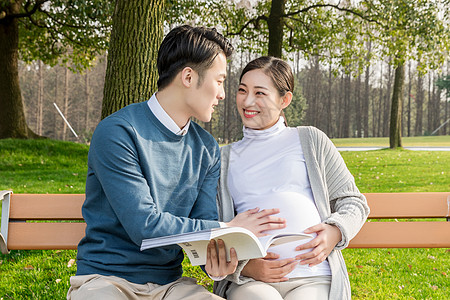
[54, 221]
[401, 232]
[41, 221]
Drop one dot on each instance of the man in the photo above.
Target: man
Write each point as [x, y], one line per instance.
[151, 173]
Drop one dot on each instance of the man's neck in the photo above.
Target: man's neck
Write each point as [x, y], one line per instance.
[171, 100]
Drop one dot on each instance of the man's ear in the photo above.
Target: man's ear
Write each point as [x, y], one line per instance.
[187, 76]
[286, 100]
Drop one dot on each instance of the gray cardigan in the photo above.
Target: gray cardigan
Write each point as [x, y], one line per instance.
[336, 196]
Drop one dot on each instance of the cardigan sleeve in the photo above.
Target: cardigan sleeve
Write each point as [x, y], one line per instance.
[349, 209]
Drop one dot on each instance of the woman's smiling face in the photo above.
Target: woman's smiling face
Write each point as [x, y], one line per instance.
[258, 100]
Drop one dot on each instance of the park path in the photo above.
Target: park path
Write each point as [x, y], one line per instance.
[408, 148]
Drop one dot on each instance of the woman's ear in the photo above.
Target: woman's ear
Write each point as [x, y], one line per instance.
[286, 100]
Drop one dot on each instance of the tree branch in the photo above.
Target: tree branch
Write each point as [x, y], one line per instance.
[252, 21]
[335, 6]
[27, 13]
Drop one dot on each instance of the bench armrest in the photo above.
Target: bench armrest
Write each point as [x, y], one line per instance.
[5, 198]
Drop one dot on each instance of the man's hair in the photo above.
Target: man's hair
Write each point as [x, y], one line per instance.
[187, 46]
[277, 69]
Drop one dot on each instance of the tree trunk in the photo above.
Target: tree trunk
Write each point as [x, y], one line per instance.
[387, 102]
[40, 97]
[275, 24]
[395, 131]
[358, 112]
[131, 73]
[330, 103]
[418, 128]
[12, 114]
[66, 102]
[88, 101]
[409, 98]
[380, 101]
[366, 100]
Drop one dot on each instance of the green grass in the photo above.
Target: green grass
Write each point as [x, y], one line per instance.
[425, 141]
[60, 167]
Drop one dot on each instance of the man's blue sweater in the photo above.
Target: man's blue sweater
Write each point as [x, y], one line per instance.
[144, 181]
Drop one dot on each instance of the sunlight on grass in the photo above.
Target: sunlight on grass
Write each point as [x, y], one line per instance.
[416, 141]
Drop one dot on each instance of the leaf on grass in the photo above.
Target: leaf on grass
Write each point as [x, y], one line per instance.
[431, 257]
[360, 267]
[70, 263]
[434, 287]
[410, 267]
[28, 267]
[445, 274]
[58, 280]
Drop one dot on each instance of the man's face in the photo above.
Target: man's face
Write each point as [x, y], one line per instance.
[210, 91]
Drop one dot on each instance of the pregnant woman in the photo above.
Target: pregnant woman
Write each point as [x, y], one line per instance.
[299, 171]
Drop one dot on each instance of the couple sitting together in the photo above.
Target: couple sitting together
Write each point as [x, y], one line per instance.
[152, 172]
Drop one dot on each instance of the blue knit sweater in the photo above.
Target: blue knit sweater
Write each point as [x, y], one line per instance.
[144, 181]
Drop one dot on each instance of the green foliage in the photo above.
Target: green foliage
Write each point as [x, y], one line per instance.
[63, 31]
[295, 112]
[444, 84]
[374, 273]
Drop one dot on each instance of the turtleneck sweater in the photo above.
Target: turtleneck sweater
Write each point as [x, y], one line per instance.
[268, 170]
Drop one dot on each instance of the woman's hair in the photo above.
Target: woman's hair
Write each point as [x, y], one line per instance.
[277, 69]
[187, 46]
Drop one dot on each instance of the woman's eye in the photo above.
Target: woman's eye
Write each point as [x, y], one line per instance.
[241, 90]
[260, 93]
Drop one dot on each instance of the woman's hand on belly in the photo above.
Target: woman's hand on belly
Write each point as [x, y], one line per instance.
[268, 269]
[327, 238]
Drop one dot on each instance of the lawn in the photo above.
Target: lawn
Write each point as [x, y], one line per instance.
[415, 141]
[60, 167]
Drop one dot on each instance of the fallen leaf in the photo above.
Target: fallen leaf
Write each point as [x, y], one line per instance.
[410, 267]
[360, 267]
[431, 257]
[28, 267]
[434, 287]
[445, 274]
[58, 280]
[70, 263]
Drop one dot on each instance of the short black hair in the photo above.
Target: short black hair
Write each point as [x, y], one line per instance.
[196, 47]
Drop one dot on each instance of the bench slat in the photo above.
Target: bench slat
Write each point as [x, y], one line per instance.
[46, 206]
[403, 235]
[32, 236]
[408, 205]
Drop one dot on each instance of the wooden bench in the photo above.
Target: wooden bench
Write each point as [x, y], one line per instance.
[22, 226]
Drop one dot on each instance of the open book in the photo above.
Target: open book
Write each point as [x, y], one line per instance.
[246, 244]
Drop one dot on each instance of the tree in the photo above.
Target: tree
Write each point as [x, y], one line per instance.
[131, 73]
[409, 30]
[336, 31]
[52, 31]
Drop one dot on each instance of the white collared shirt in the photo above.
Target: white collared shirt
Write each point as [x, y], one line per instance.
[164, 118]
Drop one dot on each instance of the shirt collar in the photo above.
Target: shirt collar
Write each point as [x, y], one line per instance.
[278, 127]
[164, 118]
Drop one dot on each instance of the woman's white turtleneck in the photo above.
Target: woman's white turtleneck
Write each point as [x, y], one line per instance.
[267, 170]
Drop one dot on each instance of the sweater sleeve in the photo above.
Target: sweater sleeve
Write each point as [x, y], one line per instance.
[114, 160]
[349, 209]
